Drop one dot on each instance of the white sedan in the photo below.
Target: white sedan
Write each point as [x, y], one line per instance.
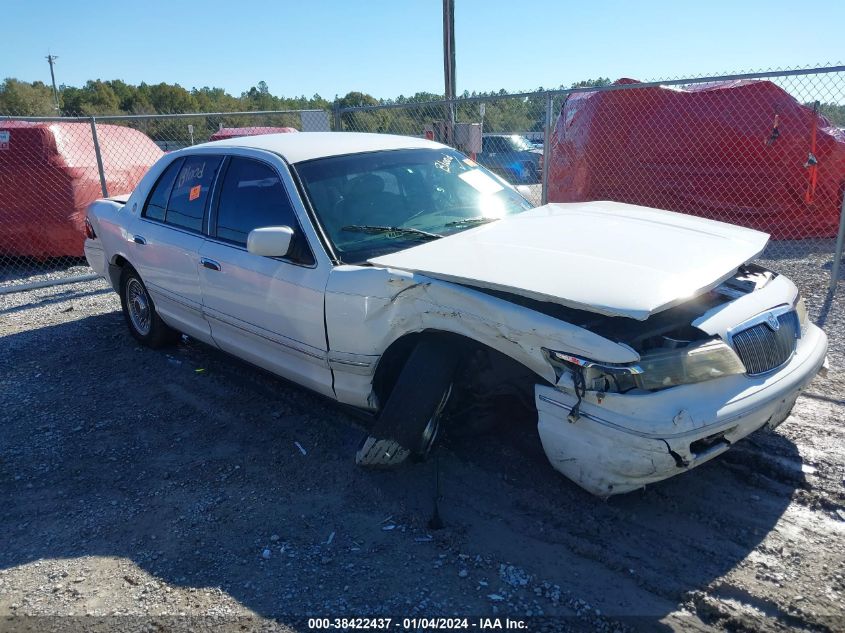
[396, 275]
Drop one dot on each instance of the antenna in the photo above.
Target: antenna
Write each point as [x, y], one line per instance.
[51, 59]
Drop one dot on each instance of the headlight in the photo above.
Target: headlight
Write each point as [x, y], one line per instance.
[694, 363]
[606, 377]
[657, 369]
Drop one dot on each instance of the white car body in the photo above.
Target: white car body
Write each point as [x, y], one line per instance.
[327, 325]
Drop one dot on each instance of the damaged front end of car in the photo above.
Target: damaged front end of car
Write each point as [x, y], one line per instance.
[710, 371]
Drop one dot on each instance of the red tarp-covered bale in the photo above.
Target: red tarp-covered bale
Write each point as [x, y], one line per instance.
[234, 132]
[733, 151]
[49, 176]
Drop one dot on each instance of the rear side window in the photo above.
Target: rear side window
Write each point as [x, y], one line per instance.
[157, 203]
[189, 197]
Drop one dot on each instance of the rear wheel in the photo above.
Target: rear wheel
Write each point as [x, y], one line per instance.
[140, 313]
[410, 421]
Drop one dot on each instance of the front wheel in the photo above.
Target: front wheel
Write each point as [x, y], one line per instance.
[410, 421]
[140, 313]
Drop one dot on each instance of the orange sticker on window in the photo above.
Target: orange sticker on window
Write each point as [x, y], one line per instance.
[195, 192]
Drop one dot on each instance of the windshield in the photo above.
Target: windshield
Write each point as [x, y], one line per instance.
[519, 143]
[381, 202]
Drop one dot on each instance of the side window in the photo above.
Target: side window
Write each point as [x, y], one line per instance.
[190, 192]
[252, 196]
[157, 202]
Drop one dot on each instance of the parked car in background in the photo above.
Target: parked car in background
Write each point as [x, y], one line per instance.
[236, 132]
[49, 175]
[711, 150]
[513, 157]
[395, 275]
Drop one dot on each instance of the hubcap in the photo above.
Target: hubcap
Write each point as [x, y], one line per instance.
[431, 429]
[138, 306]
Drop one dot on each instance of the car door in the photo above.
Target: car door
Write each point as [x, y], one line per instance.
[486, 149]
[267, 310]
[492, 148]
[166, 240]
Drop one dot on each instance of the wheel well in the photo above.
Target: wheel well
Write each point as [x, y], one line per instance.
[119, 261]
[484, 373]
[116, 268]
[391, 363]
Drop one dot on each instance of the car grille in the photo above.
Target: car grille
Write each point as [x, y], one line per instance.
[762, 348]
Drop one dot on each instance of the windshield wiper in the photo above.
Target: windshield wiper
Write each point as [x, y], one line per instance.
[371, 228]
[478, 220]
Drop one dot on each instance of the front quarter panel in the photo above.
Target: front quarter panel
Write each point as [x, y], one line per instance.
[368, 308]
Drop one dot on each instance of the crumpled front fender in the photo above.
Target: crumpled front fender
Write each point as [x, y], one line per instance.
[369, 308]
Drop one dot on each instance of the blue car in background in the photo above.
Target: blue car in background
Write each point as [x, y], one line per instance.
[511, 156]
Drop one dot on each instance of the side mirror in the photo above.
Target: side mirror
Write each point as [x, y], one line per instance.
[270, 241]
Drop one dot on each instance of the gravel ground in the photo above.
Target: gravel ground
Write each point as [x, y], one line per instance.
[17, 272]
[182, 489]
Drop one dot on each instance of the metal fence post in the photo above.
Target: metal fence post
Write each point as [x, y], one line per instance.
[98, 154]
[547, 143]
[837, 252]
[338, 122]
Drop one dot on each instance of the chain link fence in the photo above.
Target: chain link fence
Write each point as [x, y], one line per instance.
[765, 150]
[51, 169]
[505, 134]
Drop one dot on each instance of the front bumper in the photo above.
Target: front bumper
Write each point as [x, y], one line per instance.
[625, 441]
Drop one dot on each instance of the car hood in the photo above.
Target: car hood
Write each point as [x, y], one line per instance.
[606, 257]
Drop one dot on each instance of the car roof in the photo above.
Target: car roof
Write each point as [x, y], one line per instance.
[296, 148]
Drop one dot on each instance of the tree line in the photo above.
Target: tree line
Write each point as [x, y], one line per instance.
[501, 112]
[98, 97]
[116, 97]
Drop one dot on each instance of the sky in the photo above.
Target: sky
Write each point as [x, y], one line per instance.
[391, 48]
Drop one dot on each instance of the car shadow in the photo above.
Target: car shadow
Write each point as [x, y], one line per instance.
[203, 472]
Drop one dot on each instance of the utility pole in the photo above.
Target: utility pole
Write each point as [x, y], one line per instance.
[449, 67]
[51, 59]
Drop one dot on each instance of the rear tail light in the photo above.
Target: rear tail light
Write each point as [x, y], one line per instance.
[89, 230]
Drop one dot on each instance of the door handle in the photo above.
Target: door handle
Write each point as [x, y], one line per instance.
[139, 239]
[210, 264]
